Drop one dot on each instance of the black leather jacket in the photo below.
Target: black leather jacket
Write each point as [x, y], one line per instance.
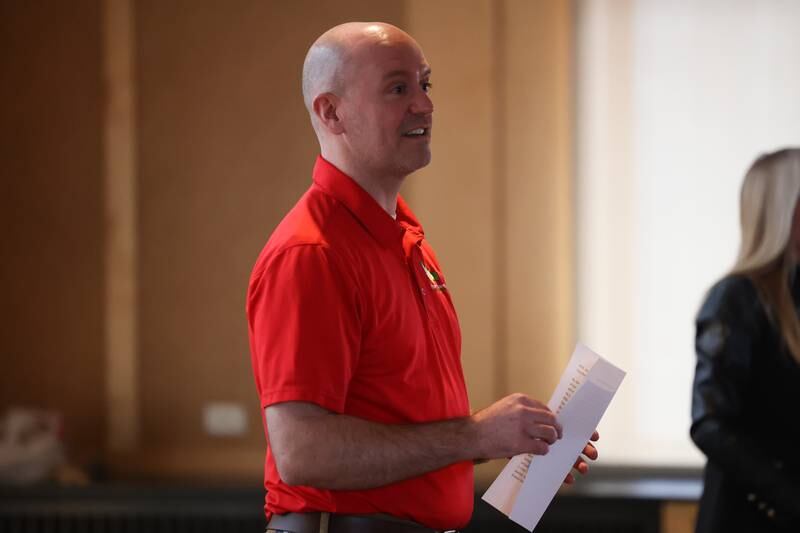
[746, 414]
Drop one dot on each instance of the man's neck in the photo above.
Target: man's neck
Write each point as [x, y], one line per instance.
[382, 189]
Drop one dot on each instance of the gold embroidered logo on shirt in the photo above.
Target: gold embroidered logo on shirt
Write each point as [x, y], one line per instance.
[436, 281]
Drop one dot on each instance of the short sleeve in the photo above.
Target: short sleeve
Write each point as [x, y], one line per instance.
[305, 328]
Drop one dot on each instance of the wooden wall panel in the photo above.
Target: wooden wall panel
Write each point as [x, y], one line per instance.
[225, 149]
[51, 215]
[538, 270]
[121, 354]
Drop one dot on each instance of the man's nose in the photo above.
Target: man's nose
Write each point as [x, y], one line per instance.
[422, 103]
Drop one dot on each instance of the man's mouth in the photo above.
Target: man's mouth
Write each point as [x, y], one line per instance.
[419, 132]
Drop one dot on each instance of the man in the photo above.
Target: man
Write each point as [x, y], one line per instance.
[354, 339]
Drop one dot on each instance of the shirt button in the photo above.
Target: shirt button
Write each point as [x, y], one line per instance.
[762, 506]
[751, 497]
[771, 514]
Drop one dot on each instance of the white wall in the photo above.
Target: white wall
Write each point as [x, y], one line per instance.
[675, 99]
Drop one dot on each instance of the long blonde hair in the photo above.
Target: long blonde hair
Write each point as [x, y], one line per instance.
[769, 196]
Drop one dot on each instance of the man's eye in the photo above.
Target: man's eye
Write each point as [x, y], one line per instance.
[427, 86]
[399, 89]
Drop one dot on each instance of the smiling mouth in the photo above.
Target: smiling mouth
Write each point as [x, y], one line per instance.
[419, 132]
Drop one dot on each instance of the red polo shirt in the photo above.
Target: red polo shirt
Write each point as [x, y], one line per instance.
[348, 309]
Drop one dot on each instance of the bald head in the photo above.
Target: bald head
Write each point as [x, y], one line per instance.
[366, 89]
[332, 57]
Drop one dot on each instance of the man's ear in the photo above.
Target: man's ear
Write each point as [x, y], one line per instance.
[326, 109]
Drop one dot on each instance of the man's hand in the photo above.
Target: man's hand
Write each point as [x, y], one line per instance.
[513, 425]
[581, 466]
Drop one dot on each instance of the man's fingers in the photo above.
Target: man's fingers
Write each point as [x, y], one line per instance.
[595, 436]
[544, 418]
[590, 451]
[545, 433]
[538, 447]
[581, 466]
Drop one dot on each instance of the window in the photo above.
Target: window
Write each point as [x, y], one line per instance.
[674, 101]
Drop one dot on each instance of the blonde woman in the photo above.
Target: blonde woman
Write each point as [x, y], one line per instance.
[746, 397]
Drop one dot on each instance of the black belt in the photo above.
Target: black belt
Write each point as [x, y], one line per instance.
[343, 523]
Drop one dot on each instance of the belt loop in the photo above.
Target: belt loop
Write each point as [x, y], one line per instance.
[323, 522]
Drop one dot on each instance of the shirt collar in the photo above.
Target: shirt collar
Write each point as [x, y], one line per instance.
[372, 216]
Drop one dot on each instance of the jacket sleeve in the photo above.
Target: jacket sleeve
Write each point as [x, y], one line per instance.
[729, 327]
